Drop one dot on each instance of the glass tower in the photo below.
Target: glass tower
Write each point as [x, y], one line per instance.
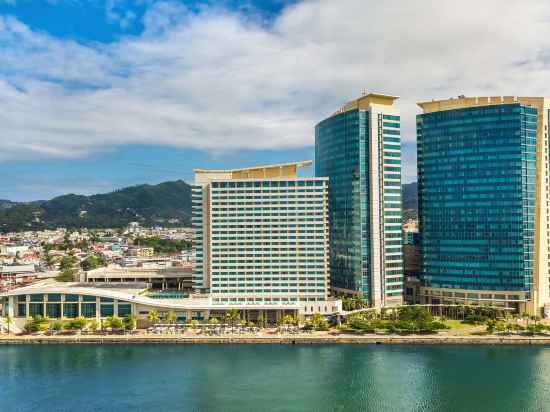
[359, 149]
[482, 222]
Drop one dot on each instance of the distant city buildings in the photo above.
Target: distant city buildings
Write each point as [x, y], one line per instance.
[483, 201]
[359, 149]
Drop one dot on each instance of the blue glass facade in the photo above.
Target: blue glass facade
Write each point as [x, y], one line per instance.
[341, 154]
[365, 235]
[476, 171]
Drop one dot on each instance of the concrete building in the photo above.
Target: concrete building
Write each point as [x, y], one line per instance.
[13, 249]
[160, 278]
[262, 235]
[483, 201]
[69, 300]
[142, 251]
[359, 149]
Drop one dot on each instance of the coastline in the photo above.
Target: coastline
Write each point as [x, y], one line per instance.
[281, 339]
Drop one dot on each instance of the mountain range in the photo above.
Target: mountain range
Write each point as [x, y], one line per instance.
[166, 204]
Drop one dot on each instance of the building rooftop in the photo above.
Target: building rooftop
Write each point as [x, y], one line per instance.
[462, 101]
[276, 171]
[366, 100]
[201, 302]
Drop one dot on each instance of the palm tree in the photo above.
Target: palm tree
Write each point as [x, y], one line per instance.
[261, 320]
[153, 316]
[288, 320]
[233, 316]
[170, 317]
[9, 321]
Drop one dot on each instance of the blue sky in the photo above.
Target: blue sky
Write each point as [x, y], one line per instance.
[102, 94]
[120, 165]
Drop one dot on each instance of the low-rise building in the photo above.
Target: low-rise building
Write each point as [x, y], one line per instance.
[57, 300]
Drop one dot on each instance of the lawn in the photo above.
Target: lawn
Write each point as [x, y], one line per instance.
[459, 328]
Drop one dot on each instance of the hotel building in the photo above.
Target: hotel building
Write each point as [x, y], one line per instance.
[359, 149]
[483, 201]
[262, 234]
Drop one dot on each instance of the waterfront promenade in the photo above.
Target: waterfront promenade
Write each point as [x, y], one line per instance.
[313, 338]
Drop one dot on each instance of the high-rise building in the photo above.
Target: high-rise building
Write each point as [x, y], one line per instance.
[359, 149]
[262, 236]
[483, 201]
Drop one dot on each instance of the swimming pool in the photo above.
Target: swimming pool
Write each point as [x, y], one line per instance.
[168, 295]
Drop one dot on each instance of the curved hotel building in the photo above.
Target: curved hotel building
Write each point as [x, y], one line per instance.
[483, 201]
[359, 149]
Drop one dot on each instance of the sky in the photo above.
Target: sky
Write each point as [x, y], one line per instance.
[101, 94]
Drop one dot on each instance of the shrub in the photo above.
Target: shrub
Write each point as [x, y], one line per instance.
[113, 322]
[316, 322]
[93, 325]
[57, 325]
[129, 322]
[78, 323]
[38, 323]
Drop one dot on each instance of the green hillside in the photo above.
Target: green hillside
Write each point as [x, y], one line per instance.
[165, 204]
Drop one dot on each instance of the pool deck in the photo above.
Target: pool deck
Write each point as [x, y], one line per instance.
[306, 339]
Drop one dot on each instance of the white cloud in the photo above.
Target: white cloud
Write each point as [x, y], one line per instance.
[217, 80]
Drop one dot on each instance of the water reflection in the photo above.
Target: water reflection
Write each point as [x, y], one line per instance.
[274, 378]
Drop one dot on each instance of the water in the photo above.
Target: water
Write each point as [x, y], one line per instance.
[274, 378]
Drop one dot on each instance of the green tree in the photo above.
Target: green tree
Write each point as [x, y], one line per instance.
[233, 316]
[67, 275]
[49, 260]
[92, 262]
[288, 320]
[170, 317]
[67, 262]
[129, 322]
[317, 322]
[261, 320]
[153, 316]
[9, 321]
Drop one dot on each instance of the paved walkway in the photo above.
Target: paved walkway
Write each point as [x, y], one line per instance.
[315, 338]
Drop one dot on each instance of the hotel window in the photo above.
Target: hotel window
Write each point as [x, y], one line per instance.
[37, 298]
[54, 297]
[22, 310]
[87, 310]
[87, 298]
[70, 310]
[71, 298]
[36, 309]
[53, 310]
[124, 309]
[107, 310]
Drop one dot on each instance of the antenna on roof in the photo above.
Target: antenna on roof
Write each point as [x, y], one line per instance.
[364, 92]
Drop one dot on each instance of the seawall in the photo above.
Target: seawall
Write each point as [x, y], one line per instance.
[289, 340]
